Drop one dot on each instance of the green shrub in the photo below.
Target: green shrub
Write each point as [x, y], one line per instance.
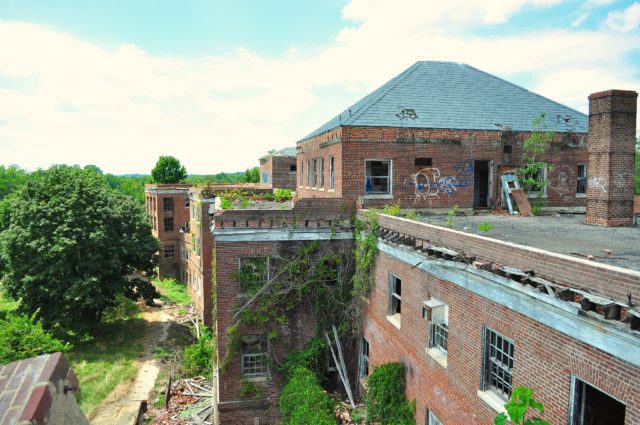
[518, 408]
[22, 337]
[485, 227]
[198, 357]
[281, 195]
[411, 215]
[226, 203]
[391, 209]
[304, 402]
[249, 390]
[385, 400]
[450, 215]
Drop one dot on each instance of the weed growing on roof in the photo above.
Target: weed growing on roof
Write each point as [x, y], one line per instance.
[485, 227]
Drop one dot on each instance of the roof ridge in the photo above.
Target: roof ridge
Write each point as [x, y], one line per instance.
[525, 89]
[403, 76]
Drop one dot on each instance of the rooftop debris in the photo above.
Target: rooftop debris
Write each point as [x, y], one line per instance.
[590, 304]
[188, 403]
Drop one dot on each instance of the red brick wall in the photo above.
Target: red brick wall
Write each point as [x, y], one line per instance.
[612, 126]
[453, 153]
[299, 327]
[543, 358]
[277, 170]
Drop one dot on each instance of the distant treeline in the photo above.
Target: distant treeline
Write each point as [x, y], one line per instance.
[13, 178]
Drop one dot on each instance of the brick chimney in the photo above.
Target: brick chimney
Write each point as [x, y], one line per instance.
[612, 126]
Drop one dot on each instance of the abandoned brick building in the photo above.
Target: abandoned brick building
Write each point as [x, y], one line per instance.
[278, 169]
[470, 316]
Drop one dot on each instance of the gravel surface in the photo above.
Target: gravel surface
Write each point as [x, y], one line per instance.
[561, 233]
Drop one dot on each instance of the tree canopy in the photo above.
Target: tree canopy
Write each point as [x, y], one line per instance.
[252, 175]
[71, 244]
[168, 170]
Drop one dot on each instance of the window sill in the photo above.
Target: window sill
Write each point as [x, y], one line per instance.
[394, 320]
[535, 195]
[332, 190]
[321, 189]
[581, 195]
[493, 400]
[256, 379]
[439, 355]
[378, 196]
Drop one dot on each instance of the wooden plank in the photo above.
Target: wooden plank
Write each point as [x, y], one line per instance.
[522, 202]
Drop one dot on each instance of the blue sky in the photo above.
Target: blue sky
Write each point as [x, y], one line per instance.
[217, 84]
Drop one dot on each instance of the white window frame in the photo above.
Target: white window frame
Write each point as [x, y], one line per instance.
[432, 419]
[389, 177]
[321, 174]
[314, 175]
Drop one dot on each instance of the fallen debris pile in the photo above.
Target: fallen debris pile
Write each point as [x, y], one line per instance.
[184, 402]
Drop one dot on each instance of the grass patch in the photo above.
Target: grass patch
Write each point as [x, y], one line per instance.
[109, 359]
[172, 290]
[7, 305]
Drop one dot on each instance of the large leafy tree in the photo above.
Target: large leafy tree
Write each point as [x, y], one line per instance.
[72, 244]
[168, 170]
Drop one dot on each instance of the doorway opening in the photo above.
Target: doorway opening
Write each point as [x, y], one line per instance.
[594, 407]
[481, 184]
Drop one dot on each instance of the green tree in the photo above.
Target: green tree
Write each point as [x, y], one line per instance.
[168, 170]
[304, 402]
[23, 337]
[12, 178]
[531, 174]
[72, 244]
[252, 175]
[385, 400]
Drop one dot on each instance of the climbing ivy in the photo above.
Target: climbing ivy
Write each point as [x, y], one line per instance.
[366, 239]
[385, 400]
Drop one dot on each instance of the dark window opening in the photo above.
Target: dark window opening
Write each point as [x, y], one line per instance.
[582, 179]
[395, 294]
[424, 162]
[377, 176]
[293, 168]
[168, 224]
[169, 251]
[507, 148]
[498, 364]
[593, 407]
[168, 204]
[364, 358]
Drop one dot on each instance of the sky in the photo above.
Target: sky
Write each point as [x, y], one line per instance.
[217, 84]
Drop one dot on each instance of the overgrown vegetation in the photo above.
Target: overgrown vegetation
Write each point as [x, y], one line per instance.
[304, 402]
[366, 237]
[23, 336]
[385, 400]
[451, 215]
[519, 407]
[172, 290]
[532, 174]
[411, 215]
[74, 247]
[198, 358]
[250, 391]
[391, 209]
[244, 199]
[485, 227]
[107, 357]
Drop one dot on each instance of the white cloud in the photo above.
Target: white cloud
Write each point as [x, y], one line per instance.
[74, 102]
[626, 20]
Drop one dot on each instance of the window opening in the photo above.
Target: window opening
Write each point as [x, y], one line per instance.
[331, 172]
[592, 406]
[169, 251]
[582, 179]
[377, 176]
[168, 224]
[498, 364]
[432, 419]
[423, 162]
[364, 358]
[322, 173]
[167, 204]
[254, 356]
[254, 273]
[395, 292]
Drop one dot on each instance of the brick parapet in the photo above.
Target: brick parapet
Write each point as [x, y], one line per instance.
[605, 280]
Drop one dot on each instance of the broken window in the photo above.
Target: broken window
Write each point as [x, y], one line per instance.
[169, 251]
[592, 406]
[253, 273]
[332, 181]
[321, 173]
[364, 359]
[582, 179]
[536, 183]
[377, 177]
[168, 224]
[432, 419]
[497, 364]
[254, 356]
[423, 162]
[168, 204]
[292, 168]
[395, 292]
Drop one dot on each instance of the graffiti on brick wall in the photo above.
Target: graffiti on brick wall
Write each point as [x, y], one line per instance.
[463, 174]
[428, 183]
[598, 183]
[562, 182]
[623, 180]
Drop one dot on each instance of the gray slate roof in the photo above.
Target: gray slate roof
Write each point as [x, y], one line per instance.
[290, 151]
[457, 96]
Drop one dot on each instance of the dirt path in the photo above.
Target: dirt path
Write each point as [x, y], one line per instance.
[123, 404]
